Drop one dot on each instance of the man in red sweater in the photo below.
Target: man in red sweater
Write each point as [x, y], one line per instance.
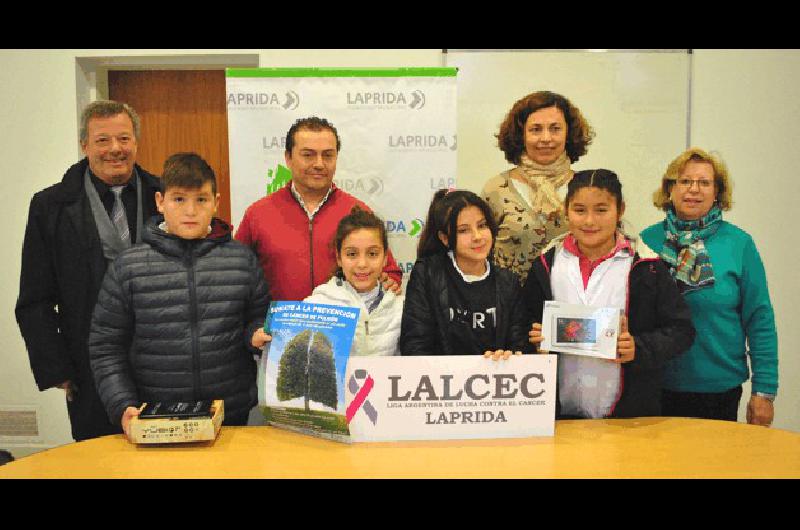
[292, 230]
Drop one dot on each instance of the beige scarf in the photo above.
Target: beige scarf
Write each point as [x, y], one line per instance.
[543, 182]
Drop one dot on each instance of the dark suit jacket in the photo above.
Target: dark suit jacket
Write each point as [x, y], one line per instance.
[62, 270]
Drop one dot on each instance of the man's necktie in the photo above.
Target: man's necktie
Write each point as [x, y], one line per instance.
[118, 216]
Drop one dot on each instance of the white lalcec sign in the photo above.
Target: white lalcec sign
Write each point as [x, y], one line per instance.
[450, 397]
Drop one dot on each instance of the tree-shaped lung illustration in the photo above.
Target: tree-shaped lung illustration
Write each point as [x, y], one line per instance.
[292, 370]
[307, 369]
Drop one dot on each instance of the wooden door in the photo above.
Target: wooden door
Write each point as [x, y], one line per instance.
[180, 110]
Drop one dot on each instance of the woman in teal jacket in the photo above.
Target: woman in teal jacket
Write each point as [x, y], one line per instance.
[722, 278]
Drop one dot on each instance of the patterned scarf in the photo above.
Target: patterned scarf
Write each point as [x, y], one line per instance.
[544, 181]
[685, 251]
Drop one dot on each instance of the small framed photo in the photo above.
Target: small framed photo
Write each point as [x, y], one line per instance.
[580, 329]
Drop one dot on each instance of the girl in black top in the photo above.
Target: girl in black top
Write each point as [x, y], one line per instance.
[457, 302]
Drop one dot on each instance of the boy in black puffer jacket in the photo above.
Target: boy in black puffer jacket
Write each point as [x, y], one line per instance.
[179, 317]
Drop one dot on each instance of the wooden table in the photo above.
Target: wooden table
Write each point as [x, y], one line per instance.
[645, 447]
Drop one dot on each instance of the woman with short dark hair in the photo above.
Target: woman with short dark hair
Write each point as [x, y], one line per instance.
[542, 135]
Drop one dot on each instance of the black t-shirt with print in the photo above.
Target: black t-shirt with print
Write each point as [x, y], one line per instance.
[473, 316]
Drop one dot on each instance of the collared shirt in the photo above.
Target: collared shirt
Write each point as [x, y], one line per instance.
[303, 203]
[588, 266]
[128, 200]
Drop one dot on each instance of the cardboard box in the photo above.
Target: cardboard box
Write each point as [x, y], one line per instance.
[165, 431]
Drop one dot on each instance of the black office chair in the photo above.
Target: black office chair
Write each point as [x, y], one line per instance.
[5, 457]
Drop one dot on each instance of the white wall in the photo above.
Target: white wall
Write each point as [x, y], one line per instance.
[745, 106]
[38, 141]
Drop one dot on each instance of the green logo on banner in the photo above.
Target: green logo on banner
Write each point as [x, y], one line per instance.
[416, 226]
[278, 178]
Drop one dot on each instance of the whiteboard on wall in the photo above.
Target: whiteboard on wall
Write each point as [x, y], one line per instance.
[636, 101]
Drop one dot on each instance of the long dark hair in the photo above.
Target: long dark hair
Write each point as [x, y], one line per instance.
[443, 217]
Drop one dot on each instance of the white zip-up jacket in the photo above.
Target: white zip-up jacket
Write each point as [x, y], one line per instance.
[377, 333]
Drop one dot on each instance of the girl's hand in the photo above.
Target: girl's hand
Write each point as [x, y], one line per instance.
[499, 354]
[626, 346]
[535, 336]
[389, 284]
[260, 338]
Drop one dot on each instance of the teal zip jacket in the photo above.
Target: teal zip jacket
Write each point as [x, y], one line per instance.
[735, 309]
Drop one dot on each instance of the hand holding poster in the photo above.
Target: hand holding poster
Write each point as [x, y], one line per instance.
[301, 374]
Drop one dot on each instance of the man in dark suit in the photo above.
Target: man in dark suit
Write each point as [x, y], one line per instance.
[75, 228]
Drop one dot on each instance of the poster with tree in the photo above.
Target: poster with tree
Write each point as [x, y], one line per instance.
[301, 373]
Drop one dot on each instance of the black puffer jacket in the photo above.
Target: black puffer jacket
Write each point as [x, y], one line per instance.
[173, 322]
[426, 312]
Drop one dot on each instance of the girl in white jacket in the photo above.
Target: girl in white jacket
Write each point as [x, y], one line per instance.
[361, 250]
